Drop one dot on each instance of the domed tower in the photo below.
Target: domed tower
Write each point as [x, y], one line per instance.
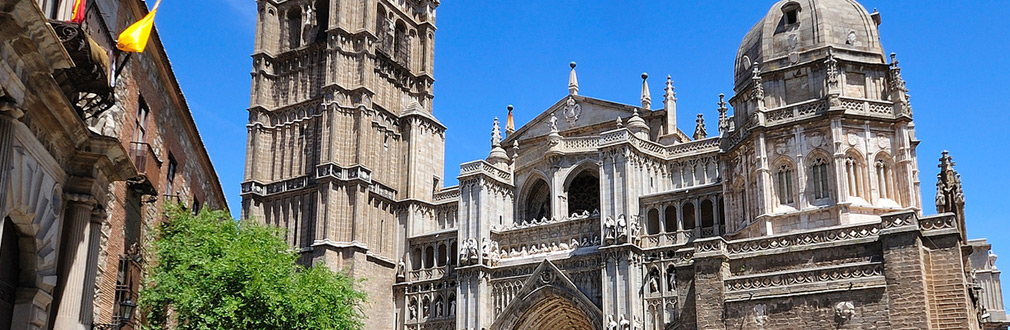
[822, 131]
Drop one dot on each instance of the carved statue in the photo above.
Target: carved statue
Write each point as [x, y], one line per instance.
[609, 227]
[400, 269]
[554, 123]
[452, 307]
[624, 323]
[574, 244]
[438, 307]
[622, 224]
[653, 283]
[413, 311]
[611, 325]
[472, 254]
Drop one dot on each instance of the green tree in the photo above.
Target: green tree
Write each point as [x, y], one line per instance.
[211, 272]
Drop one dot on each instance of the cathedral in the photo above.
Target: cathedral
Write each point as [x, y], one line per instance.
[800, 207]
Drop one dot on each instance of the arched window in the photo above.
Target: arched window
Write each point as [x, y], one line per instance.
[442, 255]
[415, 259]
[322, 19]
[687, 212]
[885, 183]
[853, 176]
[671, 219]
[429, 257]
[401, 47]
[652, 227]
[790, 13]
[294, 28]
[784, 184]
[584, 193]
[819, 175]
[538, 201]
[707, 214]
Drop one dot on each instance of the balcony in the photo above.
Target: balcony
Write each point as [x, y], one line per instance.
[87, 83]
[148, 167]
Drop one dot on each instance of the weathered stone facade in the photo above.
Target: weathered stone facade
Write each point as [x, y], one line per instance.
[93, 144]
[802, 211]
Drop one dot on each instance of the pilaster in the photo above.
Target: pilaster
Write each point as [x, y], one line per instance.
[711, 268]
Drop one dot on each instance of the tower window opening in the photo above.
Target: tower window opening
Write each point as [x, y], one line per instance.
[820, 177]
[790, 13]
[785, 185]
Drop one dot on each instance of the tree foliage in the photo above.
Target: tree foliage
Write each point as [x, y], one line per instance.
[211, 272]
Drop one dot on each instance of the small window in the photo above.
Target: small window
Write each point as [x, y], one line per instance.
[820, 176]
[853, 176]
[884, 185]
[785, 185]
[171, 175]
[790, 13]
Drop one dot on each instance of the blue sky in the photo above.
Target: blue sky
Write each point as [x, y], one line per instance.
[489, 54]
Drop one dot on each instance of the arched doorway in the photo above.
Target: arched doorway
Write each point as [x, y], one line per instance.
[554, 313]
[549, 300]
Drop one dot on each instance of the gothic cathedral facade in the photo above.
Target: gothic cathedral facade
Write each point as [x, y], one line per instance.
[801, 209]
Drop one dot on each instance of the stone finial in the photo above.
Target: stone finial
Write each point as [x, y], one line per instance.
[510, 125]
[699, 129]
[638, 126]
[899, 92]
[646, 98]
[620, 123]
[495, 134]
[831, 76]
[757, 88]
[515, 149]
[949, 192]
[670, 105]
[723, 116]
[573, 81]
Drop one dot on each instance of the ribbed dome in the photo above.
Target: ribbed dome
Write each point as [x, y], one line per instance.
[794, 28]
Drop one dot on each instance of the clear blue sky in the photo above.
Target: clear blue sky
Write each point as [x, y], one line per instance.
[489, 54]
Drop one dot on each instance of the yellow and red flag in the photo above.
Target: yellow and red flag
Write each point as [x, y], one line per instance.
[134, 38]
[79, 9]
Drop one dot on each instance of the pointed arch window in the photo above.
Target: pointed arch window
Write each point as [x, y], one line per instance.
[885, 185]
[785, 184]
[820, 179]
[853, 176]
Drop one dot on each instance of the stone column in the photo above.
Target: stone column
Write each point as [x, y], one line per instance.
[76, 234]
[91, 271]
[6, 147]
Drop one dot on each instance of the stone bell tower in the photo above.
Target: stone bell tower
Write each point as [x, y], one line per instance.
[343, 149]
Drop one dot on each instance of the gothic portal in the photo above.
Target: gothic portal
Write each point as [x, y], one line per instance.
[801, 209]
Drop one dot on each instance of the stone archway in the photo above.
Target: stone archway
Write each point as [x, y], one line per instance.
[32, 205]
[553, 312]
[549, 301]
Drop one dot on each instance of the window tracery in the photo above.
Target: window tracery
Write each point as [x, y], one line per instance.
[785, 185]
[820, 179]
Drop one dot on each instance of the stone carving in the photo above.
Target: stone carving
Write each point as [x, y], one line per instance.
[611, 324]
[620, 123]
[623, 322]
[844, 311]
[413, 310]
[850, 39]
[622, 233]
[468, 254]
[853, 139]
[815, 140]
[553, 123]
[610, 227]
[883, 142]
[572, 110]
[400, 268]
[760, 314]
